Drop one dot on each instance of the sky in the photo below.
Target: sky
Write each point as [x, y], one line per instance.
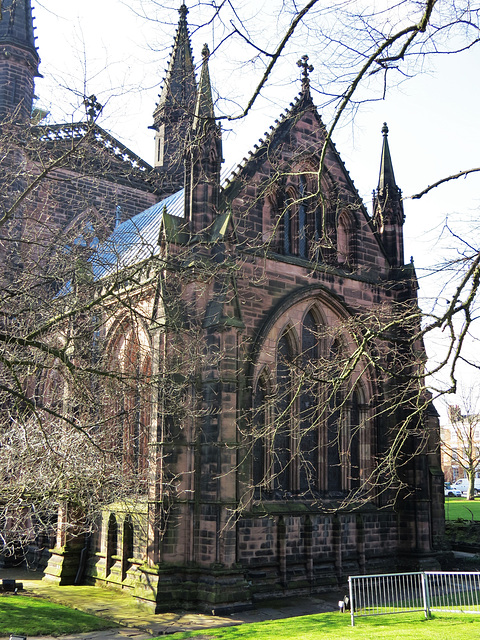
[101, 47]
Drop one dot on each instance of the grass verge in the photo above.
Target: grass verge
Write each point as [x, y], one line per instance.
[337, 627]
[30, 616]
[462, 508]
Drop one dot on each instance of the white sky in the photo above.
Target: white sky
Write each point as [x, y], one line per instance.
[433, 118]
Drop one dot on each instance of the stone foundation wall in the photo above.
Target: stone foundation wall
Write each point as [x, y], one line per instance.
[311, 552]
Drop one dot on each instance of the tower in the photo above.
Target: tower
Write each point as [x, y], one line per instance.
[19, 60]
[388, 215]
[173, 114]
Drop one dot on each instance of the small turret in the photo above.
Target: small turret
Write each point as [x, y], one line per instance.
[204, 158]
[19, 60]
[173, 114]
[388, 216]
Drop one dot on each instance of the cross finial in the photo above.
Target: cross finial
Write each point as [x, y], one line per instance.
[92, 107]
[307, 68]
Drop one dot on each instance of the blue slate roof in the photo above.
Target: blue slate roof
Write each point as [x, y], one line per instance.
[136, 239]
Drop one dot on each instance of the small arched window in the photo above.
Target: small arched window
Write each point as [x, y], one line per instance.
[127, 551]
[112, 543]
[297, 227]
[345, 240]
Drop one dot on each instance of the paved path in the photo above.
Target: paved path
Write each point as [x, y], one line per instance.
[139, 623]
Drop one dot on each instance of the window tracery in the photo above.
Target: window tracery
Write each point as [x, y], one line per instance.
[131, 405]
[309, 432]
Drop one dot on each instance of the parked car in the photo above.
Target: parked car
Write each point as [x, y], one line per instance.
[451, 492]
[462, 484]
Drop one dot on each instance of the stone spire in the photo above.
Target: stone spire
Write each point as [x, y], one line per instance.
[204, 110]
[388, 216]
[386, 180]
[173, 114]
[19, 60]
[203, 159]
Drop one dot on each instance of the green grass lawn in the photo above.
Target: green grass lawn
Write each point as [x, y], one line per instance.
[336, 626]
[461, 508]
[33, 617]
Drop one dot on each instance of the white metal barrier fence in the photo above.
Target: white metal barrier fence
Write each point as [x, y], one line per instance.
[419, 591]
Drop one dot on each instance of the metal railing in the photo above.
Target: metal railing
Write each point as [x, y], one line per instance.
[418, 591]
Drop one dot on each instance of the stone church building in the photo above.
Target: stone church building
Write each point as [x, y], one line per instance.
[269, 447]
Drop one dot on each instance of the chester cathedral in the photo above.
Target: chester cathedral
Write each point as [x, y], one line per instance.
[275, 419]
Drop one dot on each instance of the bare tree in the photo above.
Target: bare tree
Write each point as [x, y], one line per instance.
[81, 321]
[461, 440]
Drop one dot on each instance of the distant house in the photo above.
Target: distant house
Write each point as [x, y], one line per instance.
[460, 447]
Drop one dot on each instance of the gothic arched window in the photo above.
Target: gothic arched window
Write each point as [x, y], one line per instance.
[334, 434]
[345, 240]
[112, 543]
[354, 441]
[131, 398]
[298, 229]
[282, 441]
[308, 436]
[309, 425]
[262, 433]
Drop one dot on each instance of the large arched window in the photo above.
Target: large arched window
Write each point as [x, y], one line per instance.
[131, 398]
[127, 546]
[310, 424]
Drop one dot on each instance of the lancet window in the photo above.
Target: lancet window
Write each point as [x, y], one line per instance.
[298, 228]
[345, 240]
[131, 402]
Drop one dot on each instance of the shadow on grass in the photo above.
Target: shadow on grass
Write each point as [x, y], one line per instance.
[32, 616]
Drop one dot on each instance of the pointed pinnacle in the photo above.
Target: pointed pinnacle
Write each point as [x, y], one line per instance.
[386, 180]
[183, 11]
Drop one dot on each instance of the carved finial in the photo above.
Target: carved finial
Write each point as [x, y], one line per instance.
[92, 107]
[385, 129]
[183, 11]
[307, 68]
[205, 52]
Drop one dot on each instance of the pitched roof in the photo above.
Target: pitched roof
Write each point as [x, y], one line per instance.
[76, 131]
[136, 239]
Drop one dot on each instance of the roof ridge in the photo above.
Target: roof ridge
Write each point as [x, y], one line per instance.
[286, 114]
[77, 130]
